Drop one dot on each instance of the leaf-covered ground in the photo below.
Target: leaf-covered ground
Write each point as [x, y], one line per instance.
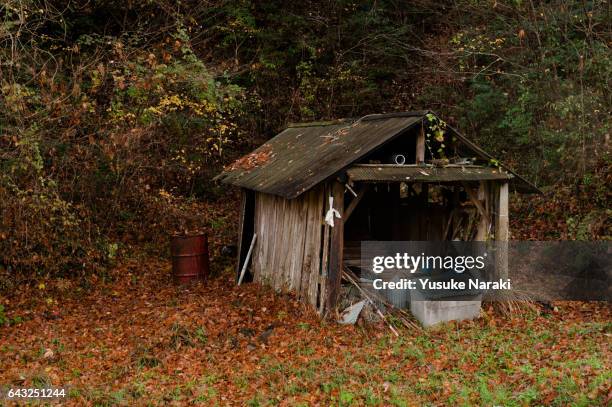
[136, 339]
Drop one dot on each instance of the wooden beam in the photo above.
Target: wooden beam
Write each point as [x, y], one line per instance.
[474, 198]
[323, 277]
[420, 146]
[336, 248]
[502, 232]
[355, 202]
[482, 233]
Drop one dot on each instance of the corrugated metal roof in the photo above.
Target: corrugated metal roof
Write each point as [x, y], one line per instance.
[303, 155]
[413, 173]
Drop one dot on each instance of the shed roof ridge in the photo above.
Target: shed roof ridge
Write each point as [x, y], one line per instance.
[381, 116]
[324, 123]
[352, 120]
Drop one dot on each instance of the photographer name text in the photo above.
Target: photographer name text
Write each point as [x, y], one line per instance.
[452, 284]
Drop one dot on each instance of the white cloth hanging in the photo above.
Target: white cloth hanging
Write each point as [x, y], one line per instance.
[331, 212]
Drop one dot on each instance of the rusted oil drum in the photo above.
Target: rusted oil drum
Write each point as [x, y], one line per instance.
[190, 260]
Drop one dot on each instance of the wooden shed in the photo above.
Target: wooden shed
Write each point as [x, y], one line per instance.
[399, 176]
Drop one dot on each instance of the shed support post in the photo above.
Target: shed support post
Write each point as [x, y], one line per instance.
[482, 233]
[502, 232]
[336, 248]
[420, 146]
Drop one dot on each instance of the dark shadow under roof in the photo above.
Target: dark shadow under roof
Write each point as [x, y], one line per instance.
[303, 155]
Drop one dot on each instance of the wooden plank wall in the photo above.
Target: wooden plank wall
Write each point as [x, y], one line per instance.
[287, 255]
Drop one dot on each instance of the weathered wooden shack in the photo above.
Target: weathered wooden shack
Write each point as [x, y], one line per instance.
[400, 176]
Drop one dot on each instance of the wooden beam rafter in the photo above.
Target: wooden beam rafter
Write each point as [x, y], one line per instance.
[349, 210]
[474, 198]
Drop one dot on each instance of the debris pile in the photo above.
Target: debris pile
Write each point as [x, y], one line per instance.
[385, 311]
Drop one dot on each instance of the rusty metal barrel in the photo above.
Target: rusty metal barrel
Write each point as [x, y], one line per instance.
[190, 260]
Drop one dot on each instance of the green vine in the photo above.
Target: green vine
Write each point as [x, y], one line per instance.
[435, 128]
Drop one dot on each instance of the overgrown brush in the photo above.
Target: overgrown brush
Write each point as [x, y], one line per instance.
[107, 136]
[114, 115]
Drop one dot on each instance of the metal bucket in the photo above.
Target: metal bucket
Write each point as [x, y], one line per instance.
[190, 259]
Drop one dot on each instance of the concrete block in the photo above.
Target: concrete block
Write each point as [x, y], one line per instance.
[433, 312]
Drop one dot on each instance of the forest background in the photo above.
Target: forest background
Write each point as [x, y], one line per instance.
[115, 115]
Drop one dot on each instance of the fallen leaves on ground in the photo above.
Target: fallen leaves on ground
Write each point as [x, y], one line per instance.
[138, 339]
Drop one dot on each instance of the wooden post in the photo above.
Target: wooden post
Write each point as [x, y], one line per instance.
[420, 146]
[322, 276]
[322, 282]
[502, 224]
[482, 232]
[502, 232]
[336, 249]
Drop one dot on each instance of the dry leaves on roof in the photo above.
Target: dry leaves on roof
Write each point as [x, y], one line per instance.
[255, 159]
